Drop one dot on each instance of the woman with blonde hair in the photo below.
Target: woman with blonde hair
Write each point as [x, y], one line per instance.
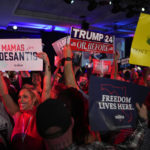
[25, 135]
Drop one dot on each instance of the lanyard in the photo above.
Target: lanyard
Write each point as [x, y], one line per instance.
[24, 131]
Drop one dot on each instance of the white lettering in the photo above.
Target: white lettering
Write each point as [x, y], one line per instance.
[82, 34]
[75, 32]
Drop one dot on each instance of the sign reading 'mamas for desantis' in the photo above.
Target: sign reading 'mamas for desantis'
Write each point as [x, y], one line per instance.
[82, 40]
[20, 54]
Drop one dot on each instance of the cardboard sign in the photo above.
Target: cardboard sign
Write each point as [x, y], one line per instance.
[124, 61]
[140, 48]
[59, 45]
[112, 103]
[20, 54]
[101, 66]
[89, 41]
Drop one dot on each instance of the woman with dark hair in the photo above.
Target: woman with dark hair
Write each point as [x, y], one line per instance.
[78, 107]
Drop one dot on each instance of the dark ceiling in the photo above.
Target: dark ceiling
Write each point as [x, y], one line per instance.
[120, 18]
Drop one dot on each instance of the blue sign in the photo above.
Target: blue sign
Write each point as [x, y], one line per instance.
[112, 103]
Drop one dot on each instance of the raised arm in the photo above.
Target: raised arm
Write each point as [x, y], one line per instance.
[68, 69]
[56, 72]
[9, 103]
[115, 66]
[47, 76]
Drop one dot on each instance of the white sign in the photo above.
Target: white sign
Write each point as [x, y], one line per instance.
[20, 55]
[59, 45]
[124, 61]
[101, 66]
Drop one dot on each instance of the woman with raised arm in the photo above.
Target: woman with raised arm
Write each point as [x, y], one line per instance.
[114, 71]
[78, 100]
[24, 135]
[68, 69]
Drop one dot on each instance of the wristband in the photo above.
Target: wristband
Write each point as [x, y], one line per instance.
[67, 59]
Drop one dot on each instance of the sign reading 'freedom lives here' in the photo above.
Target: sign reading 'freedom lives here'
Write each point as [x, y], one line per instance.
[112, 103]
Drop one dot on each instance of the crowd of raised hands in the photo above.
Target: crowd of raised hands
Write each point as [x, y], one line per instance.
[22, 107]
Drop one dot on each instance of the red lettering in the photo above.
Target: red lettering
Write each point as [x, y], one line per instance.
[4, 48]
[22, 47]
[8, 48]
[13, 47]
[18, 48]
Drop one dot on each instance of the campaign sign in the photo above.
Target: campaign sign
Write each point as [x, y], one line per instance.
[101, 66]
[140, 48]
[112, 104]
[59, 45]
[123, 61]
[20, 54]
[89, 41]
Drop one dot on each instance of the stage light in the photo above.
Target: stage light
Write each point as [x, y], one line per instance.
[143, 9]
[69, 1]
[110, 2]
[15, 27]
[72, 1]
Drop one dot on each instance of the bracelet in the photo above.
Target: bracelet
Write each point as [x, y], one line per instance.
[67, 59]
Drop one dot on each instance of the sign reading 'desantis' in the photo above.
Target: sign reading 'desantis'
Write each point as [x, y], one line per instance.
[82, 40]
[112, 104]
[20, 54]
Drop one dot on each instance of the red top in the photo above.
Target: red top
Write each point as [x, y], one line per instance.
[25, 135]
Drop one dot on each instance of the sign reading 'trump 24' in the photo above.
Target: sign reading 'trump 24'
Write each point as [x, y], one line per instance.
[82, 40]
[112, 103]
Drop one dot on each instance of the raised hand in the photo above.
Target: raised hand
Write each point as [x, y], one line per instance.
[142, 111]
[67, 51]
[43, 56]
[117, 55]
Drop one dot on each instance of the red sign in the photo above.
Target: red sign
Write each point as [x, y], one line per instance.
[90, 46]
[101, 66]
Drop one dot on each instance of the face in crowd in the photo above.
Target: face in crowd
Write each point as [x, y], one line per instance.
[36, 78]
[27, 100]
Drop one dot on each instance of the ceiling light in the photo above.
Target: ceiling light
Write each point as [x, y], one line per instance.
[110, 2]
[72, 1]
[143, 9]
[69, 1]
[15, 27]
